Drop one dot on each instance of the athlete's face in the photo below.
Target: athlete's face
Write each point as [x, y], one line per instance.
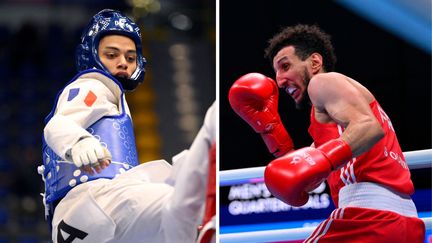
[292, 74]
[118, 54]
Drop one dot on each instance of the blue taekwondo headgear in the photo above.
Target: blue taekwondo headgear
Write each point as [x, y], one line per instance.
[109, 22]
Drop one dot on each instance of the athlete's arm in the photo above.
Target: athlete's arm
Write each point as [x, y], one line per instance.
[255, 97]
[334, 95]
[303, 170]
[81, 104]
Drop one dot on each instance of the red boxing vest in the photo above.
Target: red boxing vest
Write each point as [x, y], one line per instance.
[384, 163]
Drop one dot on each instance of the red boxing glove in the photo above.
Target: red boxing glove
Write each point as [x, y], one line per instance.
[291, 177]
[254, 97]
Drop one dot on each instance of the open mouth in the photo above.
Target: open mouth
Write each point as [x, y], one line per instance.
[122, 75]
[290, 90]
[293, 92]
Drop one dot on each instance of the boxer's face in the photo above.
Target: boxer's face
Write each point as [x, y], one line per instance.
[118, 54]
[292, 74]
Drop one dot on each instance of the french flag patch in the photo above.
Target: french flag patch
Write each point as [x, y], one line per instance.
[73, 93]
[90, 98]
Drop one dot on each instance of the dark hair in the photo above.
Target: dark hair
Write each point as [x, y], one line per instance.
[306, 40]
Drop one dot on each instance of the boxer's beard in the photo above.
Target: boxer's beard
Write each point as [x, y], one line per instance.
[305, 101]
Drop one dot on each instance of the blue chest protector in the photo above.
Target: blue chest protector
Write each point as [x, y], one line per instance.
[114, 132]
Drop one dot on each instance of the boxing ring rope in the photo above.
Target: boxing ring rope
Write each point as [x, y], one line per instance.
[415, 160]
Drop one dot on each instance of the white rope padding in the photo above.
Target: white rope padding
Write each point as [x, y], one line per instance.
[415, 160]
[280, 235]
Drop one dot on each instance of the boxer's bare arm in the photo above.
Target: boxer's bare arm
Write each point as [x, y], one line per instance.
[333, 95]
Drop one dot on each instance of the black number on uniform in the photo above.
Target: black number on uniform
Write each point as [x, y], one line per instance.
[73, 233]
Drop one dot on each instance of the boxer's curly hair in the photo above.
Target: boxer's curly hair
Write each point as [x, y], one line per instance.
[306, 40]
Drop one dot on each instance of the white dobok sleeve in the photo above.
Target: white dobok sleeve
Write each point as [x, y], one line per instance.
[80, 104]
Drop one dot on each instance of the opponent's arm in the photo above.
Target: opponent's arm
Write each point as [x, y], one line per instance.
[254, 97]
